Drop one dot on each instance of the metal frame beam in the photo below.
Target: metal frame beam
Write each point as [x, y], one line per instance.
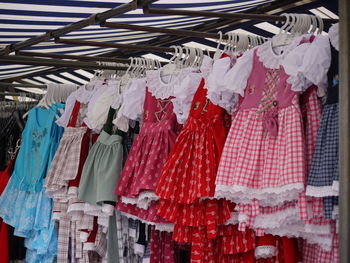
[74, 57]
[344, 122]
[93, 19]
[259, 17]
[23, 60]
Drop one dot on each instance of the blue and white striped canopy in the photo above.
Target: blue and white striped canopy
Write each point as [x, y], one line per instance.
[23, 19]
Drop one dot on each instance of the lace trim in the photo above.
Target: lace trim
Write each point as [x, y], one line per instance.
[324, 241]
[129, 200]
[266, 196]
[265, 252]
[159, 89]
[335, 187]
[206, 66]
[318, 229]
[145, 198]
[162, 90]
[290, 230]
[234, 219]
[298, 83]
[320, 191]
[333, 34]
[277, 219]
[167, 227]
[143, 201]
[269, 58]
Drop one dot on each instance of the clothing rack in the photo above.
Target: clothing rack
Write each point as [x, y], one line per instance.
[25, 60]
[177, 32]
[75, 57]
[20, 94]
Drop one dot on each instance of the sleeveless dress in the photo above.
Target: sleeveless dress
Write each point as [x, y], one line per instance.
[147, 156]
[23, 203]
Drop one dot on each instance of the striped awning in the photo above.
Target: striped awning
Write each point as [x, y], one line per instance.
[23, 19]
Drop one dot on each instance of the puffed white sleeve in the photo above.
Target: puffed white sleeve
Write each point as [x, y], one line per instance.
[183, 93]
[317, 61]
[133, 100]
[236, 78]
[308, 64]
[69, 105]
[217, 92]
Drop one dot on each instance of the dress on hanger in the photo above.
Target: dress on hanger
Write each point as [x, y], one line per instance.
[263, 164]
[323, 180]
[148, 153]
[23, 203]
[187, 184]
[102, 168]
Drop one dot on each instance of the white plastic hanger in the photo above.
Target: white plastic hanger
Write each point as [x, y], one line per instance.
[218, 52]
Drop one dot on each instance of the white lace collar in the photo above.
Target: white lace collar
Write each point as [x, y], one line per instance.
[333, 34]
[206, 67]
[161, 89]
[272, 60]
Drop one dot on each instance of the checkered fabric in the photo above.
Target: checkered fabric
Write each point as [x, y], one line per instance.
[329, 202]
[118, 218]
[65, 164]
[252, 159]
[101, 242]
[325, 161]
[313, 253]
[64, 229]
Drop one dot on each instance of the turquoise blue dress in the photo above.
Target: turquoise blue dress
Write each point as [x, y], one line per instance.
[24, 204]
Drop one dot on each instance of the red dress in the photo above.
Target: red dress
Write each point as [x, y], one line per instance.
[187, 184]
[4, 255]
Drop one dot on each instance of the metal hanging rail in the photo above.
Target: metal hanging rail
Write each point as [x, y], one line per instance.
[20, 94]
[23, 60]
[177, 32]
[114, 45]
[93, 19]
[75, 57]
[260, 17]
[20, 85]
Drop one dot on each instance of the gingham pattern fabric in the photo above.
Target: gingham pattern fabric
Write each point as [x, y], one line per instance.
[253, 160]
[329, 203]
[63, 236]
[118, 218]
[65, 164]
[101, 242]
[325, 161]
[313, 253]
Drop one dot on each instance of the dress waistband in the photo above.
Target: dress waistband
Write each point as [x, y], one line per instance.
[108, 139]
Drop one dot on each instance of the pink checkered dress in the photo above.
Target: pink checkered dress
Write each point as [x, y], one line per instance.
[263, 160]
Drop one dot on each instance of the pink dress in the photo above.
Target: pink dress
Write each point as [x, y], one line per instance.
[265, 158]
[145, 161]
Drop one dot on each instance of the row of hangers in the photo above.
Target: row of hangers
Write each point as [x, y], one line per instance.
[138, 66]
[297, 25]
[237, 43]
[56, 93]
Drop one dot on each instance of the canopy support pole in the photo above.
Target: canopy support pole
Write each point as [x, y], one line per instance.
[344, 121]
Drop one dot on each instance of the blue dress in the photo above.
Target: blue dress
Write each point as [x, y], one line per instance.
[323, 180]
[24, 204]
